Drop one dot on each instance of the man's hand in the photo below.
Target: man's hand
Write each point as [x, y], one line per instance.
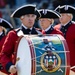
[72, 72]
[12, 69]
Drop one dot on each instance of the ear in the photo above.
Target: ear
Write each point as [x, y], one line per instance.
[51, 21]
[22, 17]
[70, 16]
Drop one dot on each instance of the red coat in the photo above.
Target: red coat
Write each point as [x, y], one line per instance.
[8, 49]
[70, 38]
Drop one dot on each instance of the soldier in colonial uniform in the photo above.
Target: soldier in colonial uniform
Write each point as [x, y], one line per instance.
[67, 26]
[27, 14]
[46, 21]
[4, 25]
[3, 30]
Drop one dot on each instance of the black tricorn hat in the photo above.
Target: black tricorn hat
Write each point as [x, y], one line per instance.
[65, 9]
[5, 23]
[25, 9]
[45, 13]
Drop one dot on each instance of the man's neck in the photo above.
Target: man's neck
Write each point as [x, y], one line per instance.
[48, 28]
[26, 27]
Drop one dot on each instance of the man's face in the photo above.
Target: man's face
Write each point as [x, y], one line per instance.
[65, 18]
[28, 20]
[45, 23]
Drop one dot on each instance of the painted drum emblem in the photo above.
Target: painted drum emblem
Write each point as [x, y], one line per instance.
[50, 61]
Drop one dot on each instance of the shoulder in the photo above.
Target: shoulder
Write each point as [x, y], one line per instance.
[12, 33]
[57, 31]
[57, 26]
[72, 26]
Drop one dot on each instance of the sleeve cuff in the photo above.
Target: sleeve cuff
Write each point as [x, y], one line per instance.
[73, 68]
[8, 66]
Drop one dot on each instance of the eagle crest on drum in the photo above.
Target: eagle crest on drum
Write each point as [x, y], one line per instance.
[50, 61]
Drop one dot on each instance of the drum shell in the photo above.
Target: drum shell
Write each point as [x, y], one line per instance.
[37, 55]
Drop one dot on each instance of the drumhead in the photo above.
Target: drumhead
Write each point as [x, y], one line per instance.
[23, 54]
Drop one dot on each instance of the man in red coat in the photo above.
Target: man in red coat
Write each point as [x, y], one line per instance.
[27, 15]
[3, 30]
[3, 26]
[46, 21]
[67, 26]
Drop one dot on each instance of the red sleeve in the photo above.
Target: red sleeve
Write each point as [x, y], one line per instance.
[8, 48]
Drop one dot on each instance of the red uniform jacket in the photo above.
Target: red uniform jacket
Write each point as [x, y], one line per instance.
[8, 50]
[70, 38]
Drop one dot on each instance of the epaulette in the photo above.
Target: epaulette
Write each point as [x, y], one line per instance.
[19, 32]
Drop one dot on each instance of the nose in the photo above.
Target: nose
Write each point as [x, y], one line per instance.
[30, 19]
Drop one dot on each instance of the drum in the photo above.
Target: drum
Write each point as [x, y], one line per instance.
[42, 55]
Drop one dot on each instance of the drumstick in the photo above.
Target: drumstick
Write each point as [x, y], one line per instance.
[17, 59]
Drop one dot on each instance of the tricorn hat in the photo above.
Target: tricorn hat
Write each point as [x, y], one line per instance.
[25, 9]
[5, 23]
[45, 13]
[65, 9]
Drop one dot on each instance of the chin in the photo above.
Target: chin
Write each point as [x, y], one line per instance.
[30, 26]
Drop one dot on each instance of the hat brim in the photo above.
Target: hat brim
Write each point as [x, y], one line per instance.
[5, 23]
[24, 10]
[50, 14]
[66, 9]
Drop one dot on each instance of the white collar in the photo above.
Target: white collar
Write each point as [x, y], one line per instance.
[1, 33]
[26, 27]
